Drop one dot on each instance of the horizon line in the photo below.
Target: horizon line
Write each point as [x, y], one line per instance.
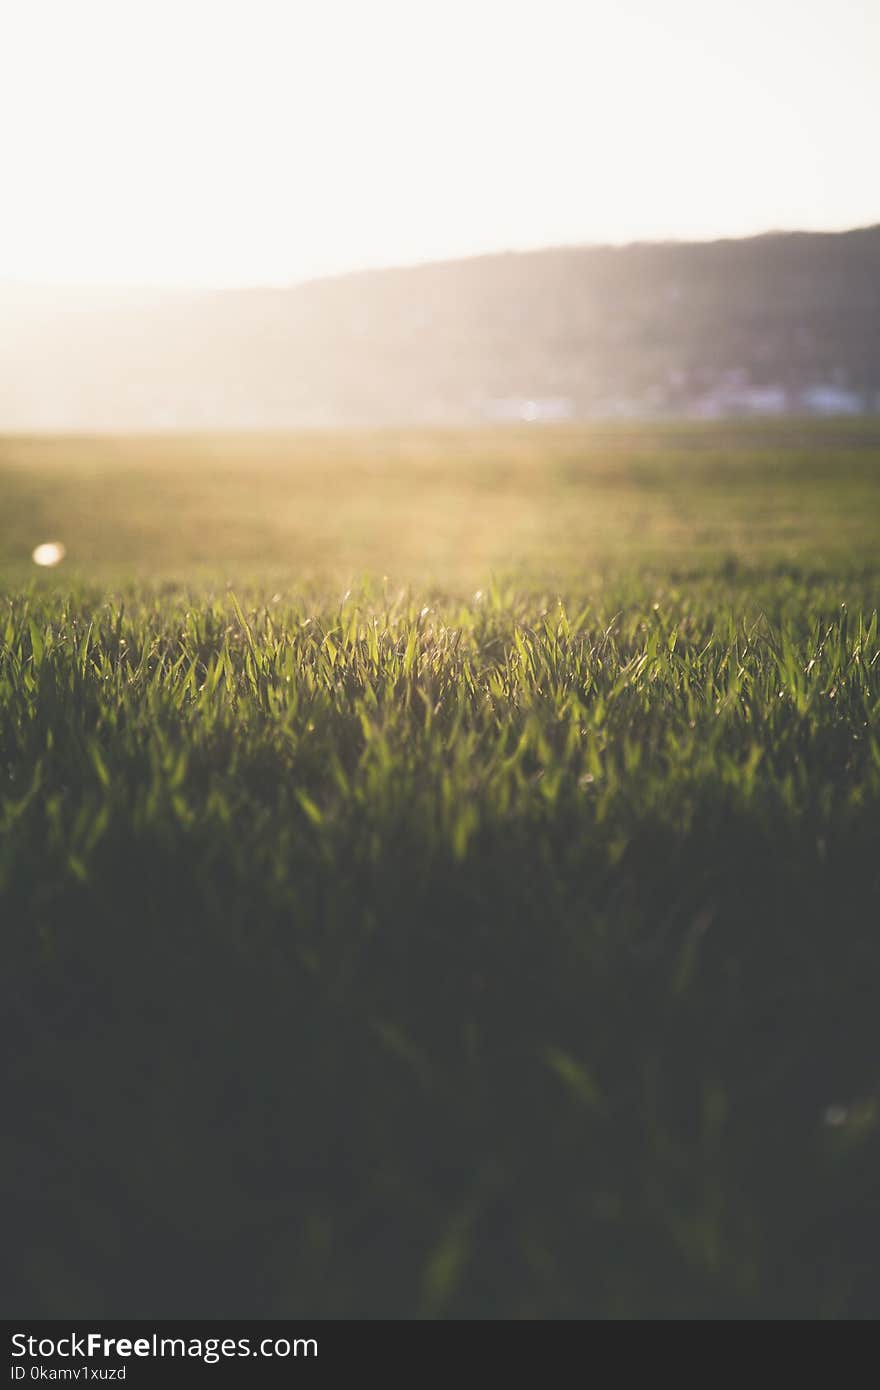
[174, 287]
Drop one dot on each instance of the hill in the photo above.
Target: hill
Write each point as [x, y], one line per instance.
[781, 323]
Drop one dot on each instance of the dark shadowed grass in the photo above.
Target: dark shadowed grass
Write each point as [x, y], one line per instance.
[420, 954]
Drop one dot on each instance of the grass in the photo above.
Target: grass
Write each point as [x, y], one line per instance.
[557, 508]
[425, 952]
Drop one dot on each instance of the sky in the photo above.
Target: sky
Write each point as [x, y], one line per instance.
[225, 142]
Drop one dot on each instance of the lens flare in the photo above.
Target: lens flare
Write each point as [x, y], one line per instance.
[49, 553]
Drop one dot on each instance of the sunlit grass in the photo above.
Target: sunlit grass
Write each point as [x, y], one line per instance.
[556, 507]
[440, 949]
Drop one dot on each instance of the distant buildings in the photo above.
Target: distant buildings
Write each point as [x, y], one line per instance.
[826, 398]
[537, 410]
[732, 395]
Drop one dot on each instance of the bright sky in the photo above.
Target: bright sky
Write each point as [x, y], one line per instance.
[261, 141]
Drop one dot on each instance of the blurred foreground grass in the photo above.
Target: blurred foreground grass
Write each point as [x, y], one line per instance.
[496, 940]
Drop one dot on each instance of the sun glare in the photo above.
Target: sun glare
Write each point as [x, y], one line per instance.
[223, 143]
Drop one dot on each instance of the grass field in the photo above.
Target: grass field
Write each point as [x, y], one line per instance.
[440, 874]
